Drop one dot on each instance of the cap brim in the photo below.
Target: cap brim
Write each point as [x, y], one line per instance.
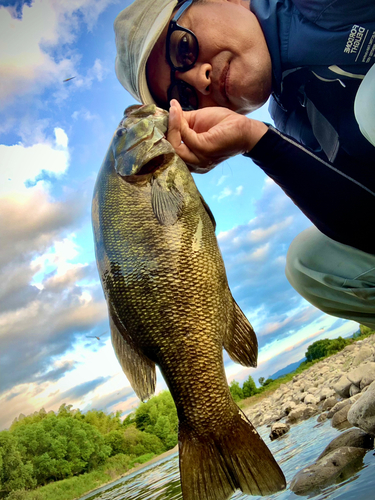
[152, 37]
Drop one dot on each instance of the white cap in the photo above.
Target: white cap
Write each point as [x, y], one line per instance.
[137, 29]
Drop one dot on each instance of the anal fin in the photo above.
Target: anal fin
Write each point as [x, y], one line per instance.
[138, 368]
[241, 343]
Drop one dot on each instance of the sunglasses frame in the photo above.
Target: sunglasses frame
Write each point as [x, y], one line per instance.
[180, 84]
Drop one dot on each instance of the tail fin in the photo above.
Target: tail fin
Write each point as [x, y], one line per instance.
[212, 468]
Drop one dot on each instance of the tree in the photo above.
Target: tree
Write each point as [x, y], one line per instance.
[15, 474]
[267, 382]
[249, 388]
[317, 349]
[148, 418]
[236, 391]
[60, 446]
[261, 380]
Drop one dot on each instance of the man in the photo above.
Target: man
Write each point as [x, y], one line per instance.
[221, 59]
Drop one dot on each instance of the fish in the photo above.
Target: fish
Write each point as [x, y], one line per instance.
[170, 306]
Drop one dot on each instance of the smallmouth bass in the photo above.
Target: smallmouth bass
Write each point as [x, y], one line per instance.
[170, 305]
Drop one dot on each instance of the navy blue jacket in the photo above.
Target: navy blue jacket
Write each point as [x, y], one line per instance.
[320, 51]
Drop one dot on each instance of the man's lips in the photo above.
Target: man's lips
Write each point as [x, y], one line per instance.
[223, 81]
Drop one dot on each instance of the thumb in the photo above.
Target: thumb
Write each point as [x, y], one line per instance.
[174, 127]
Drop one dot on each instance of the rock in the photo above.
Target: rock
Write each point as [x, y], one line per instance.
[355, 438]
[338, 406]
[362, 412]
[325, 393]
[348, 348]
[340, 418]
[311, 400]
[364, 353]
[329, 403]
[335, 467]
[354, 390]
[288, 407]
[368, 374]
[322, 417]
[278, 430]
[297, 413]
[342, 386]
[355, 376]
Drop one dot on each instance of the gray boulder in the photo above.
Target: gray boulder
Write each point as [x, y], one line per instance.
[329, 403]
[354, 390]
[338, 406]
[368, 375]
[355, 438]
[364, 353]
[355, 376]
[362, 412]
[335, 467]
[278, 430]
[326, 393]
[342, 386]
[301, 412]
[310, 399]
[340, 418]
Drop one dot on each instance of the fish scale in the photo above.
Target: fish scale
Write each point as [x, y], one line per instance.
[169, 304]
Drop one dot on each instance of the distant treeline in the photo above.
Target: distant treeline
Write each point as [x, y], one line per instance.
[45, 447]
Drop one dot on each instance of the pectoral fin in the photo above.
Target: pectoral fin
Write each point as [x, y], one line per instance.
[139, 370]
[167, 202]
[241, 343]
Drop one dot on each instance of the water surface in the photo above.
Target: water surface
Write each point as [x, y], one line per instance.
[295, 450]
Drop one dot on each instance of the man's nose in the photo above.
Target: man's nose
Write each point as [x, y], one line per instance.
[199, 77]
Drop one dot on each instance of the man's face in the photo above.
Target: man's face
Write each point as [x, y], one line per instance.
[233, 69]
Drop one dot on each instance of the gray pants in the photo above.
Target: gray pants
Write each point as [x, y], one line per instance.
[335, 278]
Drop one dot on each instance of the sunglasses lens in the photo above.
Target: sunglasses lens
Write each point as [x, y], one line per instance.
[183, 49]
[185, 95]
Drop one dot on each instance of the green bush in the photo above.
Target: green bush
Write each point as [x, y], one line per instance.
[60, 446]
[236, 391]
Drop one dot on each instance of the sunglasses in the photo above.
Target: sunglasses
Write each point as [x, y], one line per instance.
[182, 54]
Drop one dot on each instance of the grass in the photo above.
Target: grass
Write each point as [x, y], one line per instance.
[77, 486]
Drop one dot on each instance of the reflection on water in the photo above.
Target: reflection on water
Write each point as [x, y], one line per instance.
[296, 449]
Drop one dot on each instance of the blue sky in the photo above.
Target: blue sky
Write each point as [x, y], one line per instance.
[53, 137]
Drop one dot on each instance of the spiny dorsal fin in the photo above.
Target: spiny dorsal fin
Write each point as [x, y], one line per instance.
[241, 343]
[139, 370]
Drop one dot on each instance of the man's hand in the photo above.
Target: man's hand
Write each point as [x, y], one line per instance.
[208, 136]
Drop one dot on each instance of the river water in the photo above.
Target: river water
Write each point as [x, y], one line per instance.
[293, 451]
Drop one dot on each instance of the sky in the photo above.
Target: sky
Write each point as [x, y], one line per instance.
[53, 137]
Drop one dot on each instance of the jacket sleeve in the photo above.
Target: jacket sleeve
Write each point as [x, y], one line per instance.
[337, 13]
[339, 205]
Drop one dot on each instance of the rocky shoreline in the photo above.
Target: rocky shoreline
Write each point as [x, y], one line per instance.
[340, 388]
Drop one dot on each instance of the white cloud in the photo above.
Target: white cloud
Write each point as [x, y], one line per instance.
[20, 164]
[27, 64]
[239, 190]
[221, 180]
[61, 138]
